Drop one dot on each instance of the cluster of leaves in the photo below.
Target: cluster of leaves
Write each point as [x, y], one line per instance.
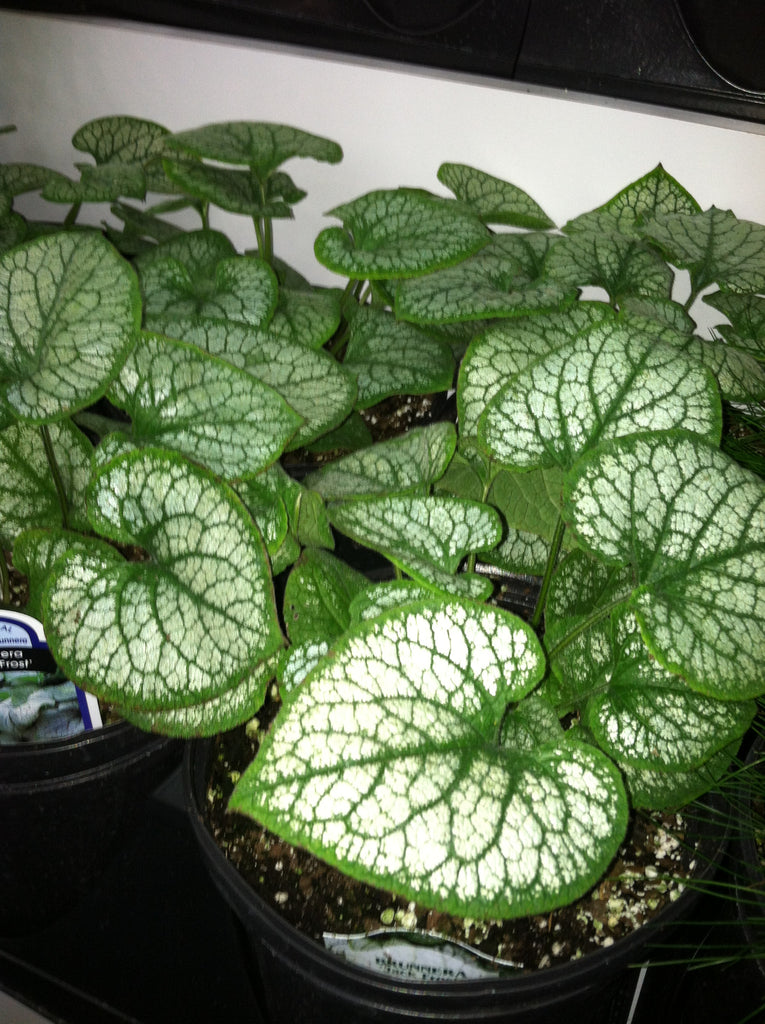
[429, 740]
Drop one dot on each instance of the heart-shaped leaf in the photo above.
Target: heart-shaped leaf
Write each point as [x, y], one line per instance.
[18, 178]
[715, 246]
[398, 233]
[97, 184]
[662, 725]
[691, 523]
[740, 377]
[242, 289]
[260, 145]
[413, 461]
[298, 662]
[388, 357]
[619, 264]
[119, 139]
[505, 279]
[306, 317]
[495, 201]
[199, 252]
[382, 597]
[656, 194]
[638, 712]
[69, 315]
[191, 625]
[437, 529]
[182, 398]
[666, 312]
[670, 790]
[313, 383]
[385, 763]
[500, 352]
[29, 497]
[747, 320]
[610, 380]
[234, 190]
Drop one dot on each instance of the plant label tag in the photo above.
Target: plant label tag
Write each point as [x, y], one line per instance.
[37, 702]
[416, 956]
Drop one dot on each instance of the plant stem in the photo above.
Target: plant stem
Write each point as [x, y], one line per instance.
[349, 290]
[100, 425]
[268, 240]
[56, 474]
[552, 558]
[259, 235]
[72, 215]
[491, 473]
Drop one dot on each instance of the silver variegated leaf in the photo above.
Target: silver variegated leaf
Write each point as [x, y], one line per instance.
[412, 461]
[307, 317]
[388, 357]
[69, 315]
[656, 194]
[619, 264]
[384, 596]
[691, 523]
[234, 190]
[502, 351]
[188, 627]
[715, 246]
[610, 380]
[210, 715]
[506, 278]
[35, 551]
[29, 497]
[385, 763]
[747, 321]
[243, 289]
[670, 790]
[496, 201]
[638, 712]
[261, 145]
[435, 529]
[179, 397]
[398, 233]
[313, 383]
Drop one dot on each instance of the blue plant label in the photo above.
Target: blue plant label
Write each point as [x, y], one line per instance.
[37, 702]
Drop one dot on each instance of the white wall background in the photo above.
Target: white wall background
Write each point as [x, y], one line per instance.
[395, 124]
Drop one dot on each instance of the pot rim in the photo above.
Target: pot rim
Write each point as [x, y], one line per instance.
[603, 962]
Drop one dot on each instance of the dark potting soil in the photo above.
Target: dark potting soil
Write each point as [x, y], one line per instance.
[645, 876]
[390, 418]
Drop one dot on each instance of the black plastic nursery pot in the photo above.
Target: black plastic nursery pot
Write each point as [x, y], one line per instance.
[66, 806]
[295, 978]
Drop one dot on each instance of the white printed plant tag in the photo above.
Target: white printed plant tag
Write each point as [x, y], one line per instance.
[416, 956]
[37, 701]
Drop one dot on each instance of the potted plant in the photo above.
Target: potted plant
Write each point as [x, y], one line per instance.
[428, 740]
[71, 313]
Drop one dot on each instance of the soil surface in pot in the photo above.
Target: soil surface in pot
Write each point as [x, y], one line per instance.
[645, 876]
[390, 418]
